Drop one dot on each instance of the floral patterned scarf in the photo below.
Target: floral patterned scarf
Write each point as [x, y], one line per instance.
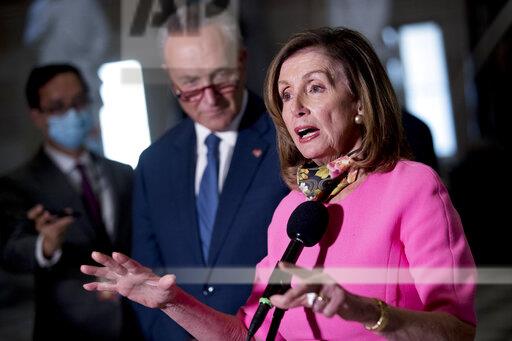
[322, 183]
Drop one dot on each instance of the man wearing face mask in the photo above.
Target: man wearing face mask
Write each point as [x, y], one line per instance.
[61, 205]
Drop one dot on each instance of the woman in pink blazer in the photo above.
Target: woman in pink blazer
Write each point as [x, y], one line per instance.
[393, 264]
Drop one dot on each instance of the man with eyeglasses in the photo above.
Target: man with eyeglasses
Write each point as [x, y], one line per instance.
[59, 207]
[205, 192]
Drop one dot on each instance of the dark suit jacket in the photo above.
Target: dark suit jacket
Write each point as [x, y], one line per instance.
[166, 236]
[420, 140]
[64, 310]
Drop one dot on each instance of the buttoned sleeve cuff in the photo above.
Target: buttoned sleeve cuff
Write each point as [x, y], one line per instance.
[42, 261]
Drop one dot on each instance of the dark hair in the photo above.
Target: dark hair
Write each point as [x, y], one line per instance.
[383, 138]
[40, 75]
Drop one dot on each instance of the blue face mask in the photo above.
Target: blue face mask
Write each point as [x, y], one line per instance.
[70, 129]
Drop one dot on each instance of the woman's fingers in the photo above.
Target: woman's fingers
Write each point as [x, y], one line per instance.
[166, 282]
[288, 302]
[106, 286]
[313, 277]
[128, 263]
[98, 272]
[295, 270]
[319, 303]
[90, 286]
[332, 306]
[100, 286]
[90, 270]
[297, 296]
[317, 291]
[328, 300]
[323, 303]
[302, 289]
[109, 262]
[294, 297]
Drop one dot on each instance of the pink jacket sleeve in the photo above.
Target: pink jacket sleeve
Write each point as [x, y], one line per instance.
[439, 257]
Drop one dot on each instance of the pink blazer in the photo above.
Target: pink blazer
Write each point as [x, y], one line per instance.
[396, 237]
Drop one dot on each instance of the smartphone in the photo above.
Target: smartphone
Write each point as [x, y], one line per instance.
[64, 213]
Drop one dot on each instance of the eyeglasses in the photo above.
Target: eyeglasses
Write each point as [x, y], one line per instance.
[59, 107]
[196, 95]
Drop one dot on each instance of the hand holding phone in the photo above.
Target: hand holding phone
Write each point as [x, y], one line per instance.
[52, 224]
[64, 212]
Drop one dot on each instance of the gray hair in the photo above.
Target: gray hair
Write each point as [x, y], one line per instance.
[189, 19]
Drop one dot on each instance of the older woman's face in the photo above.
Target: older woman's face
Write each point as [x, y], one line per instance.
[318, 107]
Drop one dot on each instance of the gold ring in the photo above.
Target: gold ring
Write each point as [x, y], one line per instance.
[320, 298]
[313, 297]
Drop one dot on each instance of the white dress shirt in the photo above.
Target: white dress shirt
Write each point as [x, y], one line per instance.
[226, 147]
[99, 183]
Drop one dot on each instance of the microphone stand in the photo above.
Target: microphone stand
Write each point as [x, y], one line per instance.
[277, 316]
[306, 226]
[274, 326]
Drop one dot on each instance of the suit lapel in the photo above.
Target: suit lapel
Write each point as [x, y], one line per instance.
[250, 150]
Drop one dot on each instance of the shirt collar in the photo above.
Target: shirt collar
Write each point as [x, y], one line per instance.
[229, 135]
[65, 162]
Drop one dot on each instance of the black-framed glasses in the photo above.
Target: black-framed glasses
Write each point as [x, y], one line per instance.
[195, 95]
[59, 107]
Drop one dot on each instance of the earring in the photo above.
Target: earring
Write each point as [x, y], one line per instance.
[358, 119]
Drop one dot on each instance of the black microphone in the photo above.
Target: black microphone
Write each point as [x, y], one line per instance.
[306, 226]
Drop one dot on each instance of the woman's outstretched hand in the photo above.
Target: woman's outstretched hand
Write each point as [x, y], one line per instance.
[127, 277]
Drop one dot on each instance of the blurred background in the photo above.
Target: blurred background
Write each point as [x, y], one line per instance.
[450, 63]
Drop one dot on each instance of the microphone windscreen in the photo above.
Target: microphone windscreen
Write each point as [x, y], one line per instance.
[308, 222]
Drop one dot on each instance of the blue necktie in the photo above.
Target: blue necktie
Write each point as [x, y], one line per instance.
[208, 197]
